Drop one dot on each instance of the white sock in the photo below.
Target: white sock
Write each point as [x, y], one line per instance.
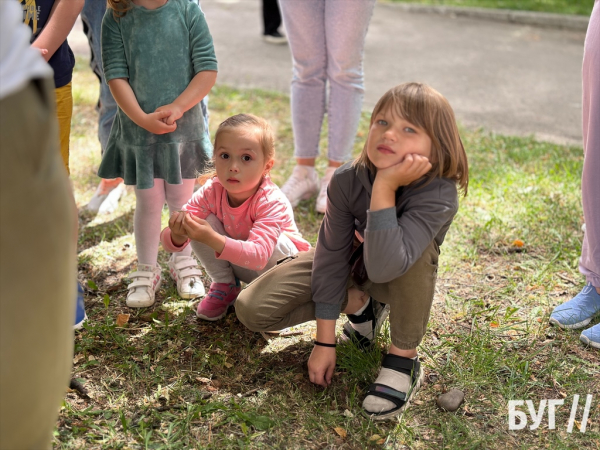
[366, 328]
[388, 377]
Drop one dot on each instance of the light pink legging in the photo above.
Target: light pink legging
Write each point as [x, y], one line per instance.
[148, 212]
[589, 264]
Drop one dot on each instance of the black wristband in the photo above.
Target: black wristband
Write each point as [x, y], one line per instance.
[322, 344]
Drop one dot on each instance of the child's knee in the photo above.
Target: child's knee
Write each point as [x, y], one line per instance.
[247, 312]
[216, 224]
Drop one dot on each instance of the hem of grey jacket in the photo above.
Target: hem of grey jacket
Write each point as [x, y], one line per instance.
[540, 19]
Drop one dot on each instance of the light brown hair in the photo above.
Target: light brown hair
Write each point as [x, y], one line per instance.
[426, 108]
[119, 7]
[266, 137]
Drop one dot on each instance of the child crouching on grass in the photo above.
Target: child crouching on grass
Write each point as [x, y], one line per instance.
[239, 223]
[399, 198]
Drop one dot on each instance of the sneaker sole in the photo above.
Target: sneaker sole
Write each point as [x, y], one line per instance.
[589, 342]
[79, 325]
[213, 319]
[570, 327]
[188, 296]
[398, 413]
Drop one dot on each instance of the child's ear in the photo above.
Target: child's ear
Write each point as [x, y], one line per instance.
[269, 166]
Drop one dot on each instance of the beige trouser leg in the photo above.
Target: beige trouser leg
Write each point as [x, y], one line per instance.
[410, 298]
[37, 269]
[281, 297]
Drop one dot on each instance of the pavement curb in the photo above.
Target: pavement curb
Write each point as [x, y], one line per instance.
[540, 19]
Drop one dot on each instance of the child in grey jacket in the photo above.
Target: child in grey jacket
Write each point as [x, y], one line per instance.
[377, 251]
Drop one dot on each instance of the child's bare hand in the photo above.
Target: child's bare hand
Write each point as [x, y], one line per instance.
[153, 122]
[411, 168]
[176, 223]
[175, 113]
[321, 365]
[197, 229]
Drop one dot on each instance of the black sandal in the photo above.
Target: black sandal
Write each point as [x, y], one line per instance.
[411, 367]
[376, 313]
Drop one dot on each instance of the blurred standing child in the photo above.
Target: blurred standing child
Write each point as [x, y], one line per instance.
[239, 223]
[51, 22]
[37, 228]
[399, 197]
[159, 63]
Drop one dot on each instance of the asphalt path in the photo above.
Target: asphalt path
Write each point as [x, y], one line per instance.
[504, 77]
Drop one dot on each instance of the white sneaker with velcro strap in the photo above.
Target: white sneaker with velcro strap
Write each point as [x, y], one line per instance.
[145, 282]
[187, 276]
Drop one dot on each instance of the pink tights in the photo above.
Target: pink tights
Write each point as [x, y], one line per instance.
[148, 214]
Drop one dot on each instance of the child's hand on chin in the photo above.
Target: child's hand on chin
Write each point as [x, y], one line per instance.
[411, 168]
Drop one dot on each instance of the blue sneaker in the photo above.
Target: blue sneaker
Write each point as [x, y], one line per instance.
[577, 312]
[80, 315]
[591, 336]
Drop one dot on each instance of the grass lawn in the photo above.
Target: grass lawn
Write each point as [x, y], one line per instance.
[165, 380]
[582, 7]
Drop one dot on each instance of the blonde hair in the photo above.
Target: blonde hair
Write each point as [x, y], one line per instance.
[266, 137]
[427, 109]
[119, 7]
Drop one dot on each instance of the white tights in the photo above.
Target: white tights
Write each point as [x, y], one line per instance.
[148, 212]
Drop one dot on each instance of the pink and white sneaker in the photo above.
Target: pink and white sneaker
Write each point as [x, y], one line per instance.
[218, 300]
[187, 276]
[146, 281]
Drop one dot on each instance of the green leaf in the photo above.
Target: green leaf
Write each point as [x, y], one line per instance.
[92, 285]
[106, 300]
[258, 422]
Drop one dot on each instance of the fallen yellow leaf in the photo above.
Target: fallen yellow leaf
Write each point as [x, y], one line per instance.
[341, 432]
[122, 319]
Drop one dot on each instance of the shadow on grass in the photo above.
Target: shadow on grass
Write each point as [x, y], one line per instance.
[103, 232]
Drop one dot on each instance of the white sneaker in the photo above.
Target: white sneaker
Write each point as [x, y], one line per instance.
[300, 185]
[186, 274]
[322, 198]
[106, 197]
[146, 281]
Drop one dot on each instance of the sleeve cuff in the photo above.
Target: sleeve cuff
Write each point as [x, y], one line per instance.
[327, 311]
[383, 219]
[167, 242]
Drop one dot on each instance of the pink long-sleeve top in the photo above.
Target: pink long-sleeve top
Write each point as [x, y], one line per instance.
[253, 228]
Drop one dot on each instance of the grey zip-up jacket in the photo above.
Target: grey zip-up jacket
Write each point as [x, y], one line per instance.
[394, 238]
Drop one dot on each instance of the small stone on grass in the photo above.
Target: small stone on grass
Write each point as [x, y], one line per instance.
[451, 400]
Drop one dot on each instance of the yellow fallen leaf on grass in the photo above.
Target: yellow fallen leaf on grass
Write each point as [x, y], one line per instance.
[375, 437]
[122, 319]
[341, 432]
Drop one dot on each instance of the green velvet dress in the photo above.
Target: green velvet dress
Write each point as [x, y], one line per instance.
[159, 51]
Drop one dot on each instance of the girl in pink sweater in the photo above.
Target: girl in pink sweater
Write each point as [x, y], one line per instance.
[239, 223]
